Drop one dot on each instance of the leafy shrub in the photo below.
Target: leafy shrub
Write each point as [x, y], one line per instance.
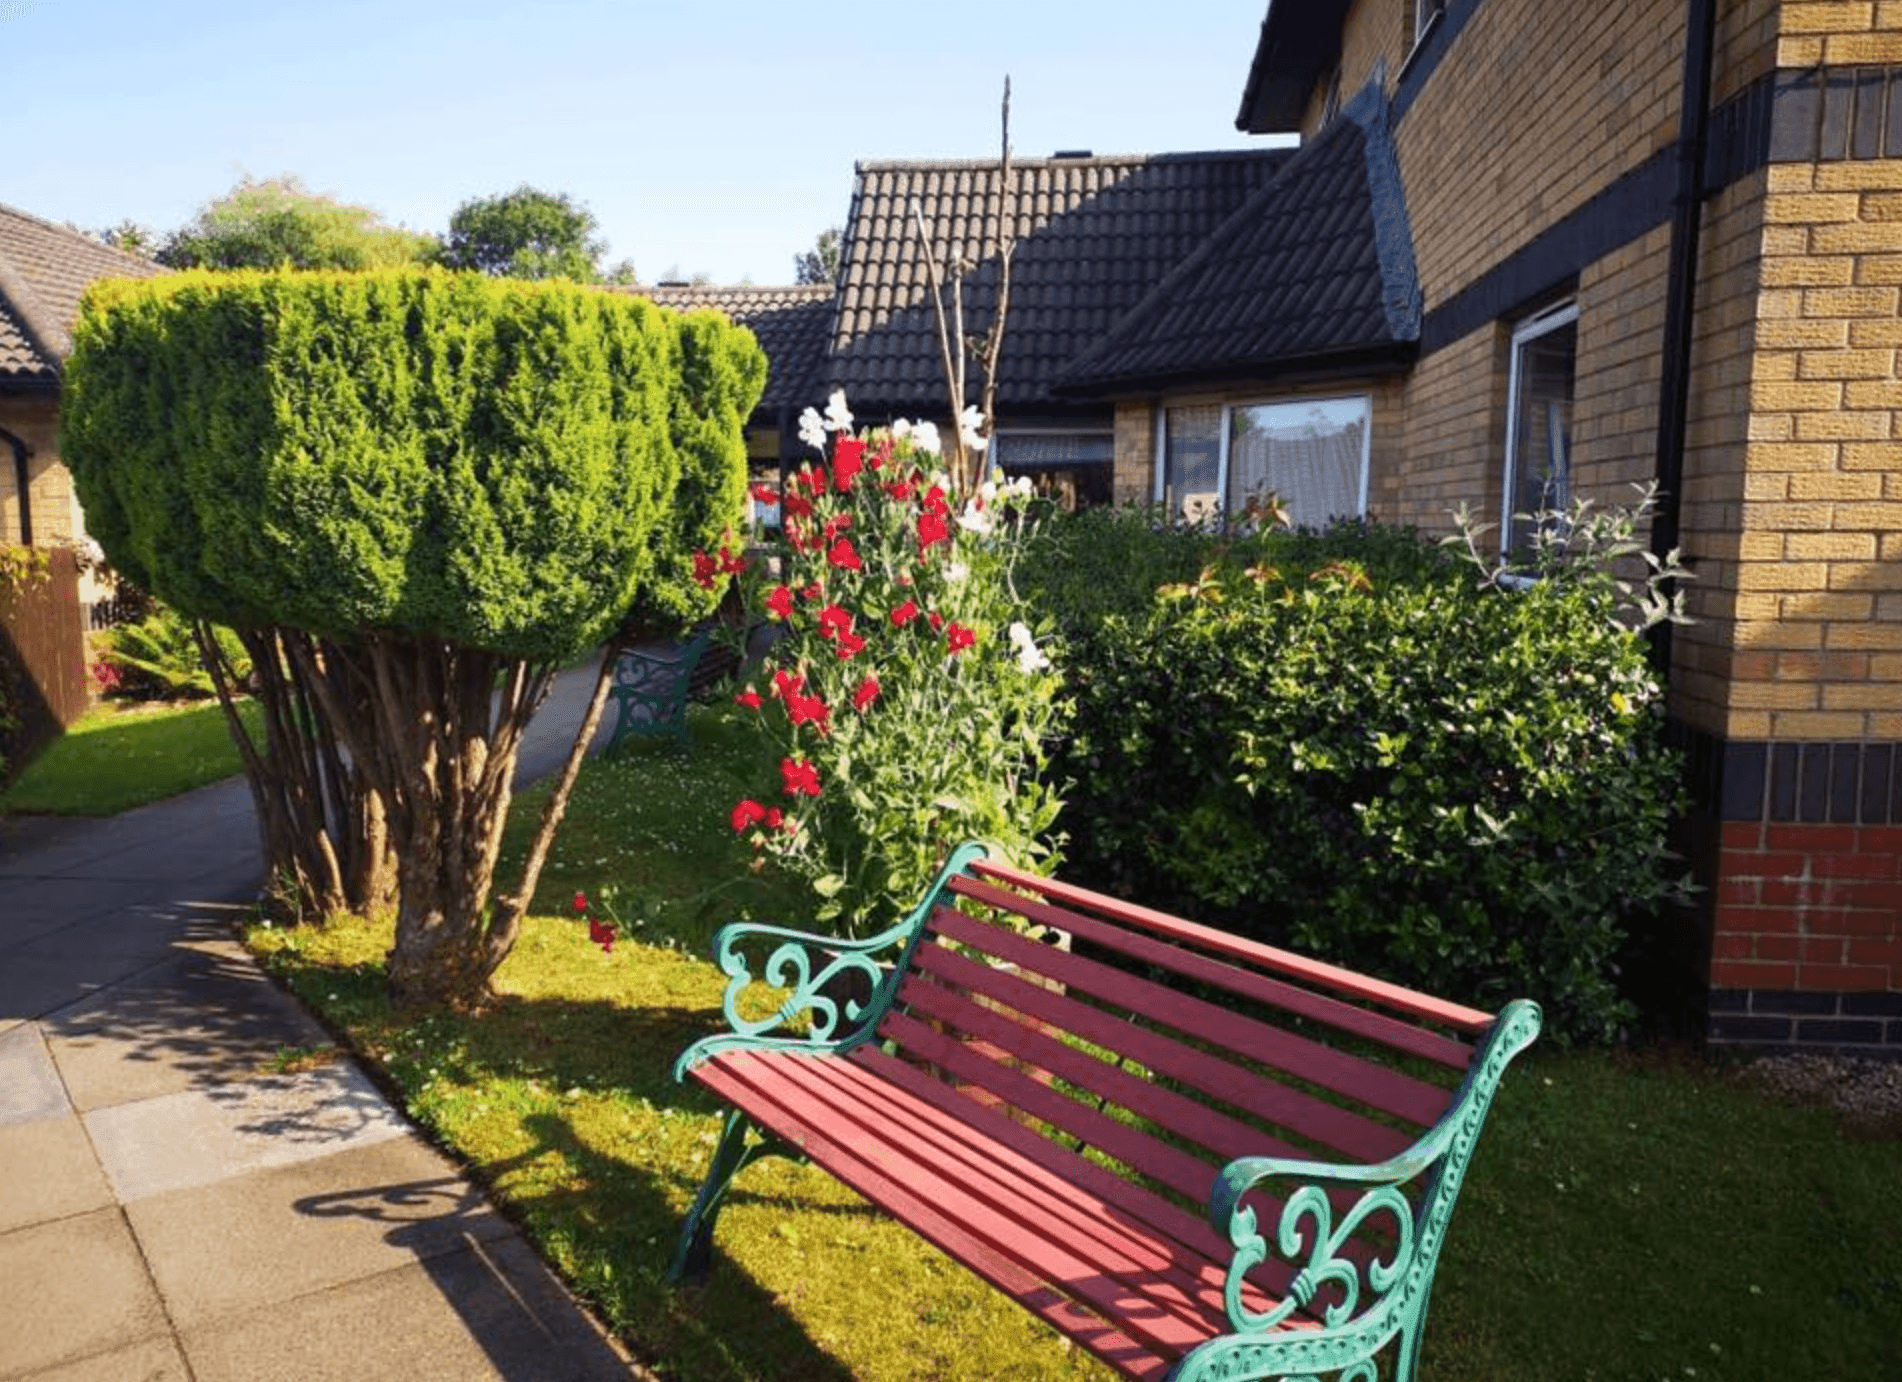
[157, 658]
[909, 699]
[1353, 746]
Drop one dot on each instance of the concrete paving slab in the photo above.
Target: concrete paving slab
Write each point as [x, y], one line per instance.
[82, 1284]
[30, 1087]
[200, 1136]
[150, 1360]
[238, 1245]
[48, 1171]
[204, 1016]
[31, 907]
[488, 1313]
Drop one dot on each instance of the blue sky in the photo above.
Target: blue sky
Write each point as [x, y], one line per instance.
[707, 137]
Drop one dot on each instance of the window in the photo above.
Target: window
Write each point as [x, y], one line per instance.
[1310, 453]
[1539, 419]
[1072, 468]
[1424, 13]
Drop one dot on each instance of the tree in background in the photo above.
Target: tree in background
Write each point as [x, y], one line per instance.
[820, 264]
[528, 233]
[129, 237]
[416, 497]
[278, 222]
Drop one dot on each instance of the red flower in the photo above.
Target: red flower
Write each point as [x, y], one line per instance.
[934, 502]
[932, 529]
[904, 614]
[808, 708]
[787, 684]
[748, 698]
[847, 461]
[766, 494]
[842, 555]
[937, 621]
[814, 479]
[732, 565]
[958, 638]
[746, 813]
[834, 622]
[581, 902]
[815, 591]
[775, 818]
[838, 525]
[602, 934]
[865, 695]
[801, 778]
[704, 570]
[899, 490]
[850, 645]
[796, 505]
[883, 454]
[779, 603]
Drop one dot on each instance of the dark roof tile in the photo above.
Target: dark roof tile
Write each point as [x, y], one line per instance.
[793, 325]
[44, 269]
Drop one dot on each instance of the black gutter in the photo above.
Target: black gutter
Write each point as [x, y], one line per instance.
[20, 482]
[1680, 314]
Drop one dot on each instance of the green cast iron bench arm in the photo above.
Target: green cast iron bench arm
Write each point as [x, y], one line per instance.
[1398, 1284]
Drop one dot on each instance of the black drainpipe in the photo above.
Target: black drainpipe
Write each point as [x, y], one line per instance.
[1680, 317]
[20, 481]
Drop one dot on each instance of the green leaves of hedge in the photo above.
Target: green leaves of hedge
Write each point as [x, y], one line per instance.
[493, 463]
[1460, 788]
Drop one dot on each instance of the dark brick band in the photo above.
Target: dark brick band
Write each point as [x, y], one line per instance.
[1854, 783]
[1853, 1024]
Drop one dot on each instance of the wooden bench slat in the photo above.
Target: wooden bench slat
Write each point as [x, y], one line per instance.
[1173, 956]
[1225, 1137]
[1026, 1193]
[922, 1215]
[1328, 1124]
[1187, 1175]
[1406, 1000]
[835, 1135]
[1377, 1086]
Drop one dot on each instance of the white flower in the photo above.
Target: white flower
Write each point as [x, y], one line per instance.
[974, 519]
[970, 425]
[924, 436]
[838, 416]
[1021, 487]
[901, 428]
[811, 430]
[955, 572]
[1029, 657]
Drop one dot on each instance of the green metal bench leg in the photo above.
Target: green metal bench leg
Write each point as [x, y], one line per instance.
[735, 1152]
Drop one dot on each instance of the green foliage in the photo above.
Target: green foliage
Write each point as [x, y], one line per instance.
[820, 264]
[157, 658]
[526, 233]
[908, 681]
[722, 374]
[446, 456]
[1355, 747]
[19, 566]
[279, 223]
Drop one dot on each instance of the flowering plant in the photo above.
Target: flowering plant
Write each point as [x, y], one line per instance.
[909, 696]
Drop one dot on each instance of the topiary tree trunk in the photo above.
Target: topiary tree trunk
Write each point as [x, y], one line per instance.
[416, 496]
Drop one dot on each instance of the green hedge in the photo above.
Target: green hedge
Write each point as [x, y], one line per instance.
[484, 461]
[1350, 744]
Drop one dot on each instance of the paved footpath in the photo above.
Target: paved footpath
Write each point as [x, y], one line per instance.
[171, 1210]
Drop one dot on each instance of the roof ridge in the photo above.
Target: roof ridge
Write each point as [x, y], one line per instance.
[42, 332]
[915, 165]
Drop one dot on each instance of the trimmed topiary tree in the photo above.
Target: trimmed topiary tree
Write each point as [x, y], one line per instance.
[416, 496]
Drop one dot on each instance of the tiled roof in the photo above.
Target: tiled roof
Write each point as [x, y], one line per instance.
[1315, 270]
[793, 325]
[43, 270]
[1094, 235]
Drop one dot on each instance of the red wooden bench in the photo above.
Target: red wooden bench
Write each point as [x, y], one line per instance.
[1195, 1155]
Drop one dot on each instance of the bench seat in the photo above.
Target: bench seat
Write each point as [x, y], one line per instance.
[1192, 1154]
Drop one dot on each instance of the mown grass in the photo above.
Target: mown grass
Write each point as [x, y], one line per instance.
[1627, 1216]
[121, 756]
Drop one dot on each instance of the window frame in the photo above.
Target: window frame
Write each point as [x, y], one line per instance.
[1226, 432]
[1541, 323]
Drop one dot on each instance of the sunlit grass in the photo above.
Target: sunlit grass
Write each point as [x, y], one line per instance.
[1626, 1217]
[117, 757]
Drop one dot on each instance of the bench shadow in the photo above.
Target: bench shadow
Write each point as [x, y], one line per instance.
[612, 1210]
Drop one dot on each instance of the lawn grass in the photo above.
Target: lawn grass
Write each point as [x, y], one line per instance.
[120, 756]
[1627, 1216]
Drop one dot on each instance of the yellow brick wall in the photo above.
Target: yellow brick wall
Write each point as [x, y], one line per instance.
[50, 486]
[1839, 32]
[1615, 389]
[1818, 584]
[1454, 428]
[1133, 478]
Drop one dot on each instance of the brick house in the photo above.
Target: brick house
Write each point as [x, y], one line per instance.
[1659, 240]
[44, 269]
